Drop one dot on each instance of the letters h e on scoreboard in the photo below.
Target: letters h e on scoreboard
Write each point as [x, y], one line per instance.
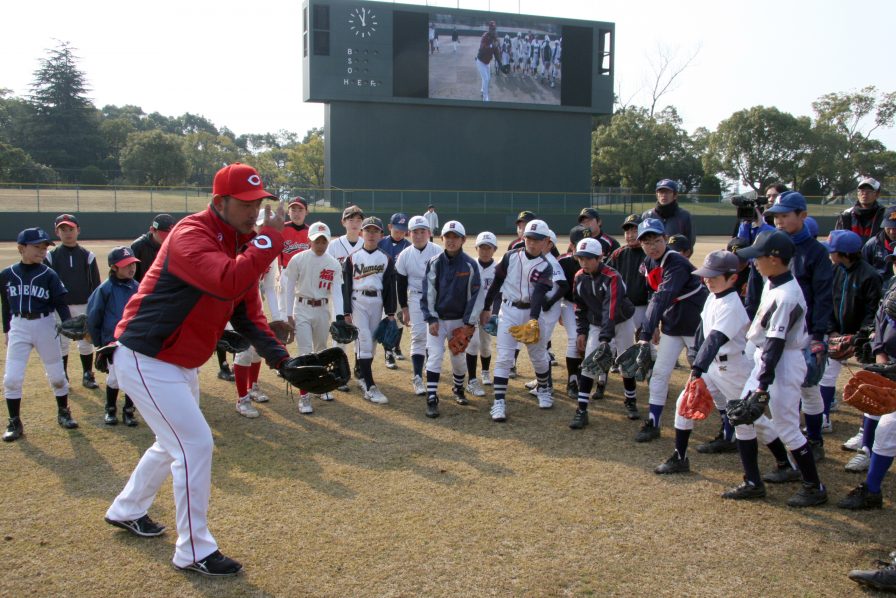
[361, 51]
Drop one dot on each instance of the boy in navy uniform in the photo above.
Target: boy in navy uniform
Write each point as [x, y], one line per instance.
[29, 293]
[393, 245]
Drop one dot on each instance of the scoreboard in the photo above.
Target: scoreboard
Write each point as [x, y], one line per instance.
[362, 51]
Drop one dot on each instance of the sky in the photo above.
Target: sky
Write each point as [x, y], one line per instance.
[239, 63]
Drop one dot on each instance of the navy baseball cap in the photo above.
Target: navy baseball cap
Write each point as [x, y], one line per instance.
[771, 243]
[589, 213]
[65, 219]
[33, 236]
[789, 201]
[121, 256]
[579, 232]
[667, 184]
[525, 216]
[843, 241]
[631, 220]
[889, 218]
[718, 262]
[679, 243]
[399, 221]
[735, 246]
[372, 221]
[651, 225]
[163, 222]
[811, 225]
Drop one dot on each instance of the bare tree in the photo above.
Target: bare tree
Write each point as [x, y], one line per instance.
[666, 68]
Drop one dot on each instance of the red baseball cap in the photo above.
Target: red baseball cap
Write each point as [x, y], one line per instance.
[240, 181]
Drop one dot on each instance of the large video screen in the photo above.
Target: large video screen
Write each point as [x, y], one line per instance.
[518, 60]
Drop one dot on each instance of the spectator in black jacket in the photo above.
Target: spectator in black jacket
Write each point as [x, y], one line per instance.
[146, 248]
[676, 220]
[866, 216]
[880, 247]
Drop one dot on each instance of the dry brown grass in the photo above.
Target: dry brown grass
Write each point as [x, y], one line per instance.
[359, 499]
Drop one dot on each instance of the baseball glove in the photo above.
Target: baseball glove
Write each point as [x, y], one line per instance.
[460, 338]
[870, 393]
[505, 68]
[816, 357]
[636, 362]
[842, 347]
[598, 361]
[386, 333]
[233, 342]
[283, 331]
[527, 333]
[491, 327]
[103, 357]
[343, 332]
[864, 353]
[318, 372]
[697, 402]
[73, 328]
[887, 370]
[889, 304]
[743, 412]
[400, 317]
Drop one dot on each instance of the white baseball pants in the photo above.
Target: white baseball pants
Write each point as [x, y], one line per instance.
[666, 356]
[725, 381]
[312, 327]
[366, 315]
[435, 349]
[538, 353]
[25, 335]
[84, 346]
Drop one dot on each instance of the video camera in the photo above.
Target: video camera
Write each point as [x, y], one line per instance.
[746, 206]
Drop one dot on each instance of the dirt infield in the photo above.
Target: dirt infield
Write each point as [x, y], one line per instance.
[366, 500]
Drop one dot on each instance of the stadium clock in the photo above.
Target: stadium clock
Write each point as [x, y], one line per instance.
[362, 21]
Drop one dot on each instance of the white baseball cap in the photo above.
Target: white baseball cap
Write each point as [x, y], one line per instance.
[870, 182]
[552, 236]
[487, 238]
[453, 226]
[537, 229]
[589, 248]
[418, 222]
[318, 229]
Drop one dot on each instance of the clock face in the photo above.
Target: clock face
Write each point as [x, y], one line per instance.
[362, 22]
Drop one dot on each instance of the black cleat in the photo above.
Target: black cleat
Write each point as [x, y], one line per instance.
[512, 374]
[110, 419]
[398, 354]
[143, 527]
[674, 464]
[127, 417]
[883, 578]
[647, 432]
[718, 445]
[226, 374]
[746, 491]
[598, 394]
[553, 359]
[817, 447]
[214, 565]
[572, 389]
[432, 408]
[782, 474]
[859, 498]
[88, 381]
[631, 409]
[64, 419]
[14, 430]
[809, 495]
[390, 360]
[459, 395]
[579, 420]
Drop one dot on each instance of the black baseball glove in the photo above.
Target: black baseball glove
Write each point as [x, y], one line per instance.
[743, 412]
[599, 361]
[887, 370]
[318, 372]
[343, 332]
[73, 328]
[103, 357]
[386, 333]
[233, 342]
[636, 362]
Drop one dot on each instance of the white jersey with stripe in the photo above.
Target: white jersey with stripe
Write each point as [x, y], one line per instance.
[781, 314]
[341, 248]
[521, 274]
[411, 262]
[368, 269]
[727, 315]
[557, 275]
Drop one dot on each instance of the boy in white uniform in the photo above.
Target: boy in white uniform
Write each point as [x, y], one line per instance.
[720, 342]
[481, 344]
[308, 281]
[344, 246]
[779, 332]
[368, 289]
[410, 268]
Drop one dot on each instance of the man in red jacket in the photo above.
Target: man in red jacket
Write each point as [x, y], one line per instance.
[206, 274]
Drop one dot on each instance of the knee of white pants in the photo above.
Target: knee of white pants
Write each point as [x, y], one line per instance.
[812, 401]
[13, 378]
[459, 364]
[538, 355]
[244, 358]
[885, 436]
[789, 434]
[765, 429]
[831, 371]
[56, 376]
[745, 432]
[682, 423]
[418, 338]
[435, 350]
[85, 347]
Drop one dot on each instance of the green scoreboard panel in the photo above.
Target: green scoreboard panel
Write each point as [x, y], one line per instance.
[360, 51]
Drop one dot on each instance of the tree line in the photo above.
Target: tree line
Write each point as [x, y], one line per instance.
[56, 134]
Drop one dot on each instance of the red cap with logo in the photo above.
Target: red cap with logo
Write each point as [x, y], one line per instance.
[239, 181]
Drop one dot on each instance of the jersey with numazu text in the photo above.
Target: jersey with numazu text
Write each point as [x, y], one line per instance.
[781, 314]
[31, 289]
[371, 271]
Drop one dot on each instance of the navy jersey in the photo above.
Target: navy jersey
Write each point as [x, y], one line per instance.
[78, 271]
[30, 289]
[393, 247]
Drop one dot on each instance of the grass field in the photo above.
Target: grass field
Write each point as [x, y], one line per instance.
[366, 500]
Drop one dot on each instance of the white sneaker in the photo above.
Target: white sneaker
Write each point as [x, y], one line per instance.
[245, 407]
[257, 395]
[486, 378]
[374, 395]
[305, 404]
[362, 385]
[326, 397]
[532, 384]
[854, 443]
[498, 412]
[419, 386]
[475, 389]
[859, 463]
[826, 427]
[545, 399]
